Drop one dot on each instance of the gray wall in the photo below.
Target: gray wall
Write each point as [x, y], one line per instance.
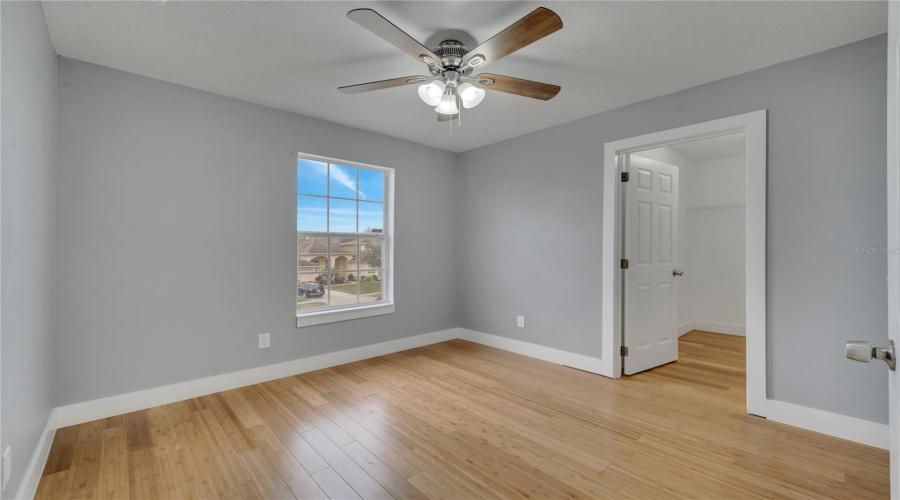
[531, 208]
[28, 210]
[177, 242]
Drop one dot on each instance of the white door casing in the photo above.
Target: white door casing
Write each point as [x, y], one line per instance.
[754, 124]
[651, 248]
[893, 233]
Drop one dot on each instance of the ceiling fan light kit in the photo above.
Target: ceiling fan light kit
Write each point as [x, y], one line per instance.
[448, 104]
[470, 95]
[451, 64]
[431, 92]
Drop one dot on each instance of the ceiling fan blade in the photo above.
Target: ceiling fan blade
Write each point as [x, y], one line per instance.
[374, 22]
[384, 84]
[518, 86]
[531, 28]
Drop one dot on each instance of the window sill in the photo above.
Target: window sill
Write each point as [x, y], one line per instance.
[321, 318]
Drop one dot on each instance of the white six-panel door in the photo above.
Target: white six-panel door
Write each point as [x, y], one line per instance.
[651, 247]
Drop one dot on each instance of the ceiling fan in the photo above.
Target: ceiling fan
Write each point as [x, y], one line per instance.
[451, 64]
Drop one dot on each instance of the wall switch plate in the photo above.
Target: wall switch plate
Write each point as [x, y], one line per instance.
[520, 321]
[7, 465]
[265, 340]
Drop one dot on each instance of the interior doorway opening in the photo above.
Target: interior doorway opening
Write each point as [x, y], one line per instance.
[683, 234]
[650, 297]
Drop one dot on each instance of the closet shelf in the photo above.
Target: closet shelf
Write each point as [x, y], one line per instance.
[715, 207]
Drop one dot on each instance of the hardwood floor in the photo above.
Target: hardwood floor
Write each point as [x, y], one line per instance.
[460, 420]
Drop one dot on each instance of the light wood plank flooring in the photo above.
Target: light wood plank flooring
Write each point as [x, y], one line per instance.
[458, 420]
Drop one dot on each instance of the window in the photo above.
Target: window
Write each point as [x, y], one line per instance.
[344, 245]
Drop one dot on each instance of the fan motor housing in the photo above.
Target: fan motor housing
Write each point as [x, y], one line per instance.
[451, 53]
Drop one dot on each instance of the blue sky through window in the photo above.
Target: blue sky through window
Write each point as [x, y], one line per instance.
[312, 177]
[330, 182]
[343, 181]
[342, 216]
[311, 213]
[371, 185]
[371, 216]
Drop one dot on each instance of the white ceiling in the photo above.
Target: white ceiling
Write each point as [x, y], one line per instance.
[293, 55]
[713, 149]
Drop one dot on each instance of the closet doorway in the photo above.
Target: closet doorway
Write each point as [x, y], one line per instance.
[687, 236]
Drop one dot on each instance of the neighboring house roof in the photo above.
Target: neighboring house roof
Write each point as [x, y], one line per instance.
[312, 245]
[319, 246]
[307, 263]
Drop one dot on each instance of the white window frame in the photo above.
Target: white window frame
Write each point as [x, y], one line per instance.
[356, 311]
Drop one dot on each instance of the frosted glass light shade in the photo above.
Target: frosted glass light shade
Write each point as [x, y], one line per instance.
[431, 92]
[470, 95]
[448, 105]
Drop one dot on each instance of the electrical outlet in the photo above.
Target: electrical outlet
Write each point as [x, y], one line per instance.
[520, 321]
[265, 340]
[7, 465]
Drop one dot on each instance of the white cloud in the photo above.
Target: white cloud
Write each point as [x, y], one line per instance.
[338, 174]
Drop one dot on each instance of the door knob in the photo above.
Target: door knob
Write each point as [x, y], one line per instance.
[676, 272]
[859, 350]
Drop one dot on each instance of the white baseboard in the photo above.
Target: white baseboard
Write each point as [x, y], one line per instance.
[36, 466]
[712, 326]
[841, 426]
[853, 429]
[586, 363]
[140, 400]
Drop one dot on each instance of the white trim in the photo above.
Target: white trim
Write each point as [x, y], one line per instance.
[685, 327]
[140, 400]
[893, 233]
[841, 426]
[332, 315]
[580, 361]
[340, 161]
[754, 124]
[716, 327]
[854, 429]
[36, 466]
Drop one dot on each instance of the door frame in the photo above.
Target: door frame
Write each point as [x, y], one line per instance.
[754, 125]
[893, 230]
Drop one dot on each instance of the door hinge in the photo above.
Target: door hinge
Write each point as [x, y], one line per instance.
[625, 176]
[623, 351]
[624, 264]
